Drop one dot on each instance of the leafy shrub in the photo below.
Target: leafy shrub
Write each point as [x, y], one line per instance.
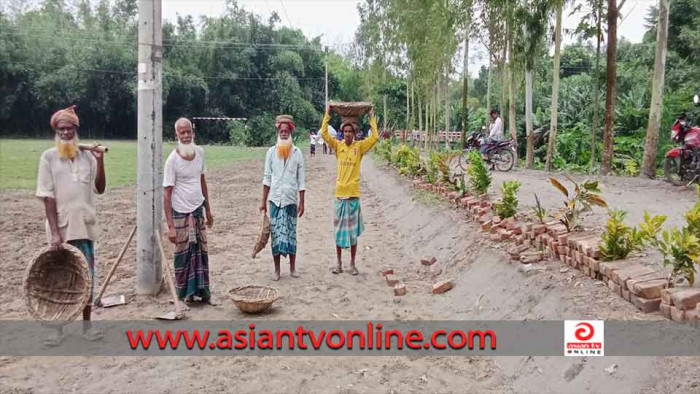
[262, 130]
[581, 200]
[508, 206]
[479, 177]
[237, 133]
[383, 149]
[407, 160]
[619, 240]
[432, 168]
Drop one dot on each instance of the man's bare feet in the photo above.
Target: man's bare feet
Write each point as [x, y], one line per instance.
[276, 276]
[293, 274]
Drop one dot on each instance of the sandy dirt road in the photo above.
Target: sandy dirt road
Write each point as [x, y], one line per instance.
[399, 232]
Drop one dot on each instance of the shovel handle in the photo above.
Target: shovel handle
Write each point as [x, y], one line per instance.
[168, 277]
[98, 299]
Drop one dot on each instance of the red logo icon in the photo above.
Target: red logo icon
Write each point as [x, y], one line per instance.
[585, 332]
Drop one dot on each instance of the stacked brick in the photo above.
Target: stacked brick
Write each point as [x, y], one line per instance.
[638, 284]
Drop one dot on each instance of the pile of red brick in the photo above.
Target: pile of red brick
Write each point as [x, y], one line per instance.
[640, 285]
[434, 269]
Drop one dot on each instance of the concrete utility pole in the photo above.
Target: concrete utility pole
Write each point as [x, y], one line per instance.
[149, 180]
[326, 76]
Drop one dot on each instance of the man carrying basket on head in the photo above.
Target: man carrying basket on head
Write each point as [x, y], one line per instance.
[349, 152]
[284, 183]
[67, 182]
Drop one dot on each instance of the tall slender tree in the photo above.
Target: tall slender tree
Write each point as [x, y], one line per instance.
[657, 94]
[611, 64]
[551, 148]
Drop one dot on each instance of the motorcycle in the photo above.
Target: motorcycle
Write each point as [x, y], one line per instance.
[500, 155]
[682, 163]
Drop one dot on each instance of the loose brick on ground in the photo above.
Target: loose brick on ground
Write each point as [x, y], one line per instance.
[443, 286]
[387, 271]
[400, 289]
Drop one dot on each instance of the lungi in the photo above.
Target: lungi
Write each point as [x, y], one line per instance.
[87, 247]
[347, 222]
[283, 229]
[191, 255]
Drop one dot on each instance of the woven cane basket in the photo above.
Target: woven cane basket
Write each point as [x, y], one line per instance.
[57, 284]
[253, 298]
[350, 109]
[264, 235]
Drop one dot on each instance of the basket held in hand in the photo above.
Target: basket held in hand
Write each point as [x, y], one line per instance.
[57, 284]
[350, 109]
[263, 236]
[254, 298]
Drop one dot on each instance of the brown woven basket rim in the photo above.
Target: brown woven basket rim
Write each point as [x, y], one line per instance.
[236, 298]
[85, 271]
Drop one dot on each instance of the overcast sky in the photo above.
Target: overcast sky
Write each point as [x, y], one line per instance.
[337, 20]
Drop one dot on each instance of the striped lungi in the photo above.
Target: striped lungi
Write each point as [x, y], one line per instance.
[191, 255]
[347, 222]
[283, 229]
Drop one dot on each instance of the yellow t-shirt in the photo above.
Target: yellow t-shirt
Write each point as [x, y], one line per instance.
[349, 158]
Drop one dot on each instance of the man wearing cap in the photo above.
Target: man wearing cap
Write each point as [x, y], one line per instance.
[349, 152]
[67, 182]
[187, 206]
[284, 183]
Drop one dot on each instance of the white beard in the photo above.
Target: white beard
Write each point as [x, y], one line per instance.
[186, 150]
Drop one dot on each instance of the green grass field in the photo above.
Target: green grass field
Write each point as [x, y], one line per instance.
[19, 160]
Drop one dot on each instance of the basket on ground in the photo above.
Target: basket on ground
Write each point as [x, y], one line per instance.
[253, 298]
[57, 284]
[350, 109]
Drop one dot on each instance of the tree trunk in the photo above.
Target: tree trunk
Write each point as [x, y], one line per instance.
[511, 92]
[530, 153]
[596, 90]
[502, 85]
[465, 91]
[551, 148]
[427, 122]
[608, 142]
[446, 98]
[408, 108]
[657, 94]
[488, 95]
[420, 114]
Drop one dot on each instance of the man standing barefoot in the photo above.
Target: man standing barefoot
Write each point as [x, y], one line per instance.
[283, 181]
[348, 217]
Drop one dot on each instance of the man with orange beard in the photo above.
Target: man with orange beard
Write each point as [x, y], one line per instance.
[284, 183]
[67, 182]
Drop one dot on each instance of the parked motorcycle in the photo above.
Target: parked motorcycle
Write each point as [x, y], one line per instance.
[682, 163]
[500, 155]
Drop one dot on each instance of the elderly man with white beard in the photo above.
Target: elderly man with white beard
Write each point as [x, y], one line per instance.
[67, 182]
[284, 183]
[186, 204]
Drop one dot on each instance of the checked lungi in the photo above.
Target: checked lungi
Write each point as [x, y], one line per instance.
[283, 229]
[347, 222]
[191, 255]
[87, 247]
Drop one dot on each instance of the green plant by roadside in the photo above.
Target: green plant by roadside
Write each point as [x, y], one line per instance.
[540, 211]
[407, 160]
[383, 150]
[479, 177]
[508, 206]
[681, 248]
[431, 167]
[444, 161]
[581, 200]
[619, 240]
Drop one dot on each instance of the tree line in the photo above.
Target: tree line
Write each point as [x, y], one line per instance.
[598, 104]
